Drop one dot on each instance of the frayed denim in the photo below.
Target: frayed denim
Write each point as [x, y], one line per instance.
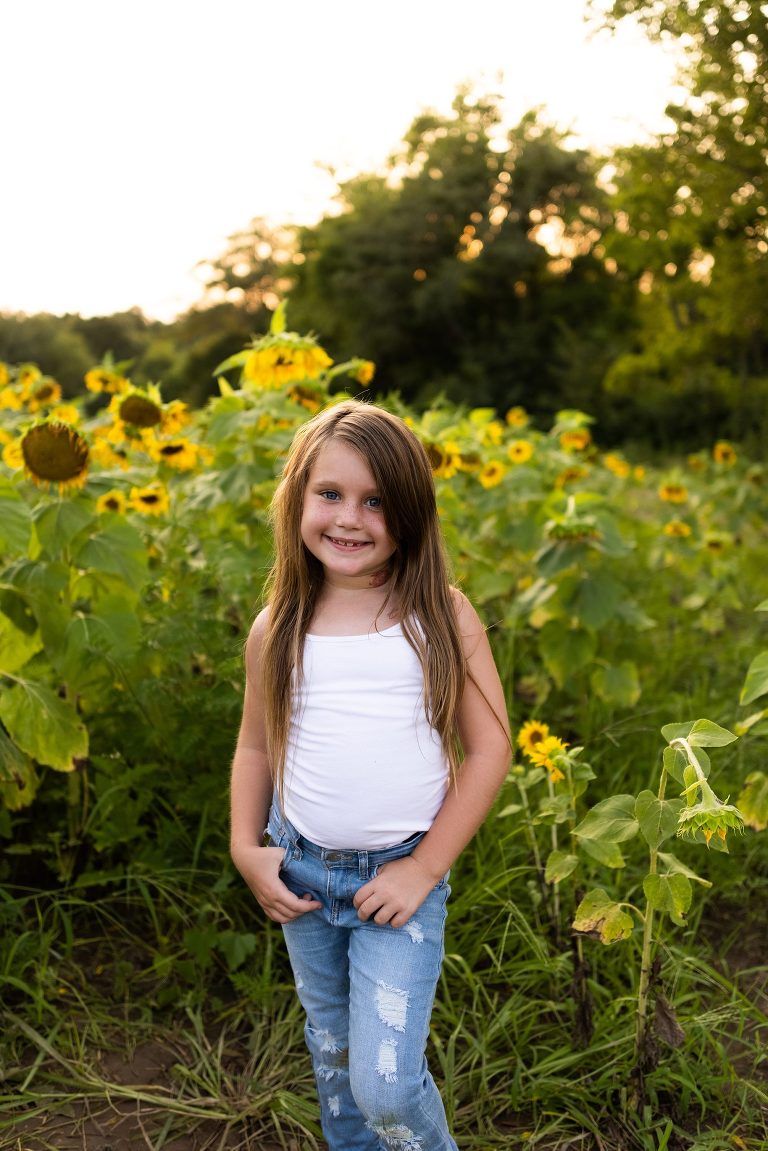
[368, 991]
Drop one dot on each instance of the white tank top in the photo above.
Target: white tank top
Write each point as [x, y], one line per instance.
[364, 768]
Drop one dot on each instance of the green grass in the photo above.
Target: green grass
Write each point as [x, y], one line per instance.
[95, 980]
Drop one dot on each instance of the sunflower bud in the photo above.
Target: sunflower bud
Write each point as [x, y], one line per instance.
[710, 816]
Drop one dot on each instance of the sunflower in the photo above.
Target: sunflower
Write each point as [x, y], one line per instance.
[617, 465]
[365, 372]
[180, 453]
[724, 453]
[112, 501]
[570, 476]
[284, 359]
[175, 417]
[678, 529]
[493, 433]
[492, 474]
[575, 441]
[309, 398]
[520, 451]
[44, 394]
[710, 816]
[104, 453]
[151, 500]
[531, 734]
[104, 380]
[716, 542]
[445, 459]
[543, 755]
[517, 417]
[12, 455]
[67, 413]
[10, 400]
[137, 408]
[55, 453]
[28, 376]
[673, 493]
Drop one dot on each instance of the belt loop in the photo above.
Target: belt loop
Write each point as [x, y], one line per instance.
[362, 859]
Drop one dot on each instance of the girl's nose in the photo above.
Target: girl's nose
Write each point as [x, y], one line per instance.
[348, 514]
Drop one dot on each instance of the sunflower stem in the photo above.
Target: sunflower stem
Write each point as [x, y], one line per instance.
[646, 960]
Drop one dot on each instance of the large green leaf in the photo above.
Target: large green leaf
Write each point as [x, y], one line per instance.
[675, 867]
[15, 521]
[670, 893]
[559, 866]
[592, 598]
[565, 650]
[57, 524]
[619, 684]
[18, 780]
[94, 641]
[756, 683]
[16, 646]
[118, 550]
[753, 800]
[699, 733]
[609, 854]
[598, 914]
[657, 817]
[675, 762]
[612, 820]
[43, 725]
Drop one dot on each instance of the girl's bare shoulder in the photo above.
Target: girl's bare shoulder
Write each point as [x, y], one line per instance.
[466, 615]
[256, 635]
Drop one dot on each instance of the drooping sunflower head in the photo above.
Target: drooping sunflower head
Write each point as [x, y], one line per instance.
[284, 358]
[55, 453]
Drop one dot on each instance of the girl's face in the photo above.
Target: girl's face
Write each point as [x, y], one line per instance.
[342, 520]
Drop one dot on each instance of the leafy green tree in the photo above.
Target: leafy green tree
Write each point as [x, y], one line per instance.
[51, 342]
[467, 268]
[691, 221]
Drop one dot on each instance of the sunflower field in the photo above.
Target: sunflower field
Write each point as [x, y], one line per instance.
[605, 983]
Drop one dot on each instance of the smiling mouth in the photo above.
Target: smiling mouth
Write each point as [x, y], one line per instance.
[349, 545]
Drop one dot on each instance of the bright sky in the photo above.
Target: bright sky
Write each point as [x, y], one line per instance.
[136, 135]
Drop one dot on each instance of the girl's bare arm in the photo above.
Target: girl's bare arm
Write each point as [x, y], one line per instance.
[251, 795]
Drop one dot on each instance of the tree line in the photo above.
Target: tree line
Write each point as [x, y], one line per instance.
[506, 267]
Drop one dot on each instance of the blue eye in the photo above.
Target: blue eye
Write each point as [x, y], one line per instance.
[374, 502]
[329, 495]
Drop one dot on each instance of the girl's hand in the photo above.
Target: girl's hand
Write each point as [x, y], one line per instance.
[260, 868]
[396, 893]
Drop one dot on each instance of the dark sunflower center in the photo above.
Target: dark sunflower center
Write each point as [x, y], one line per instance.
[54, 452]
[140, 412]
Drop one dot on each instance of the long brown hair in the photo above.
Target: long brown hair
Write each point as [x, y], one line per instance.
[421, 585]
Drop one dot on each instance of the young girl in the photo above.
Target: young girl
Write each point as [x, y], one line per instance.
[373, 742]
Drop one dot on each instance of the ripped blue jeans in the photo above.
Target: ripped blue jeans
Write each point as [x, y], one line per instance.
[368, 991]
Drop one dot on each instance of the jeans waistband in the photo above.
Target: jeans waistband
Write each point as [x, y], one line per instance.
[348, 857]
